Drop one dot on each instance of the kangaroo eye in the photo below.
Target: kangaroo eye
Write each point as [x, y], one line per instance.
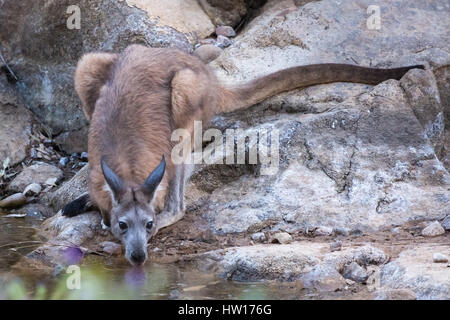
[123, 225]
[149, 225]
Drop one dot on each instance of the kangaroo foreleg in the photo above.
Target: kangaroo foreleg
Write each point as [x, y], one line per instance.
[174, 208]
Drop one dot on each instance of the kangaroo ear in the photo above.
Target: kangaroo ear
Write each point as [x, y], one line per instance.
[154, 179]
[114, 182]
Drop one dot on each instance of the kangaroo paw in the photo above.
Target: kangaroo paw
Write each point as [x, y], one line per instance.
[77, 206]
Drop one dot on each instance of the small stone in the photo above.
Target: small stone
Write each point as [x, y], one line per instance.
[32, 190]
[74, 156]
[258, 236]
[323, 277]
[15, 200]
[350, 282]
[111, 248]
[433, 229]
[208, 41]
[51, 182]
[341, 231]
[207, 52]
[336, 246]
[84, 156]
[174, 294]
[355, 272]
[355, 232]
[396, 230]
[63, 161]
[323, 231]
[281, 237]
[226, 31]
[439, 258]
[446, 223]
[223, 42]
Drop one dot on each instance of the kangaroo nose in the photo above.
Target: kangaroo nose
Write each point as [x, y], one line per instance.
[138, 257]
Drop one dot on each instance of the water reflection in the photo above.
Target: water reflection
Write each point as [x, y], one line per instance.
[115, 279]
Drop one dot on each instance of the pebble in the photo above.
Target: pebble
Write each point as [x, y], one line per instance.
[433, 229]
[32, 189]
[15, 200]
[223, 42]
[341, 231]
[226, 31]
[208, 41]
[174, 294]
[336, 246]
[396, 230]
[281, 237]
[63, 161]
[51, 181]
[84, 156]
[258, 236]
[207, 52]
[439, 258]
[446, 223]
[350, 282]
[355, 272]
[323, 231]
[74, 156]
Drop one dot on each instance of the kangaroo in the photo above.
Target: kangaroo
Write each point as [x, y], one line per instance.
[134, 100]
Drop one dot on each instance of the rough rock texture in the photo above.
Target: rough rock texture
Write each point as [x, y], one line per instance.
[414, 269]
[70, 190]
[446, 223]
[43, 52]
[352, 155]
[433, 229]
[15, 124]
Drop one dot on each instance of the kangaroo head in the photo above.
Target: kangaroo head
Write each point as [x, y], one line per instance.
[132, 215]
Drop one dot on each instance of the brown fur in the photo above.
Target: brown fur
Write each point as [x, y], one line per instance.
[136, 99]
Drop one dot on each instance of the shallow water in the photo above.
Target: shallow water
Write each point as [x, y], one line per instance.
[17, 237]
[109, 279]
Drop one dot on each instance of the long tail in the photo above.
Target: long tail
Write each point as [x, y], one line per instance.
[248, 94]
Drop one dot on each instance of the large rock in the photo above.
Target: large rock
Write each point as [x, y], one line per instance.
[414, 269]
[351, 155]
[16, 124]
[37, 173]
[70, 190]
[43, 52]
[310, 263]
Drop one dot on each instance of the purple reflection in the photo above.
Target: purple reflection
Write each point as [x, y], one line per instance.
[135, 277]
[73, 255]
